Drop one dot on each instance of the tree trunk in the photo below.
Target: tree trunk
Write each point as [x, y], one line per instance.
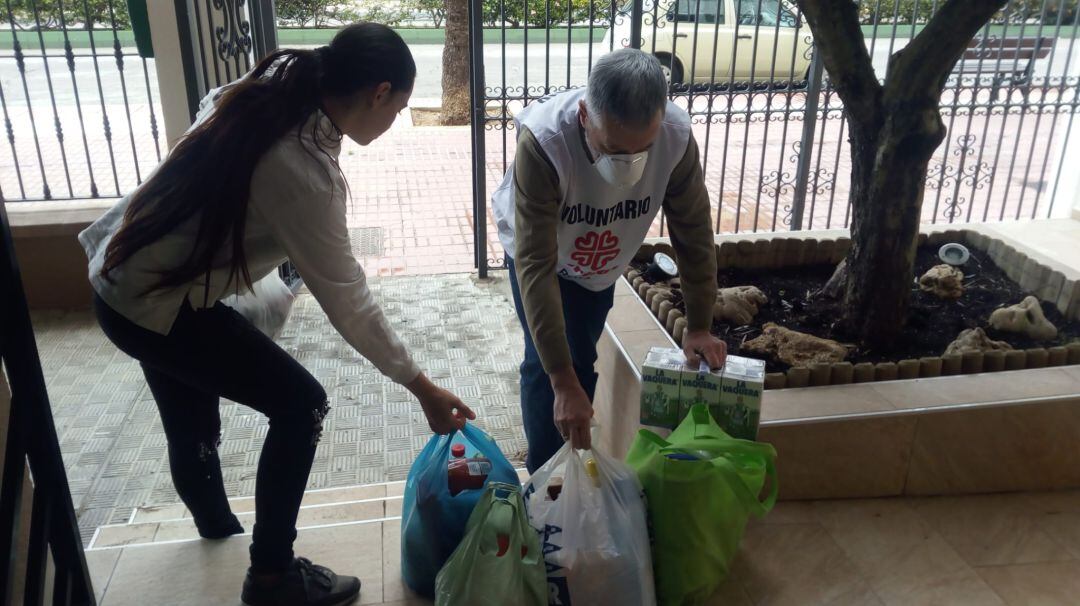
[895, 129]
[455, 60]
[888, 175]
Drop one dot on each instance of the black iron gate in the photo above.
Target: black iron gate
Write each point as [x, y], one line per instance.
[771, 129]
[220, 40]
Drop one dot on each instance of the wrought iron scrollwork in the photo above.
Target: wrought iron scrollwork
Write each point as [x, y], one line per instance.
[782, 182]
[973, 176]
[234, 35]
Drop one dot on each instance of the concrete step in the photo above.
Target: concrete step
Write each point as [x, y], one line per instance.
[323, 508]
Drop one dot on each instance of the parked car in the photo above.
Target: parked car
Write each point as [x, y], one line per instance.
[720, 41]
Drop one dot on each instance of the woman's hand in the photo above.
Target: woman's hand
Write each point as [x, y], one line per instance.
[444, 411]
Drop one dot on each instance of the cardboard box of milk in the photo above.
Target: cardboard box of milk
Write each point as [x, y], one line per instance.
[660, 380]
[698, 386]
[739, 409]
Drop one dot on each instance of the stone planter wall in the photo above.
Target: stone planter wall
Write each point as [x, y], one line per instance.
[1033, 276]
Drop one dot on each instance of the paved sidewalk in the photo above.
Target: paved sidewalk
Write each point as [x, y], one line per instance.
[462, 332]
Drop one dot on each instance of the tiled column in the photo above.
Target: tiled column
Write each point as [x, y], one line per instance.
[170, 69]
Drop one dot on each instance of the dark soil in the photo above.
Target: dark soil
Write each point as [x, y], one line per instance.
[932, 323]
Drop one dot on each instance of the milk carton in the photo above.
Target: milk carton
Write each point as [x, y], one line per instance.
[698, 386]
[661, 376]
[739, 409]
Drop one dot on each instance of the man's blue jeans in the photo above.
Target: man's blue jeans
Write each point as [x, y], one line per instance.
[585, 313]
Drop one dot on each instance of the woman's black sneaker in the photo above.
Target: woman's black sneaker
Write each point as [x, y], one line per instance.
[303, 584]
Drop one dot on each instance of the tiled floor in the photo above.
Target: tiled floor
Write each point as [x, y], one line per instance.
[462, 332]
[1015, 549]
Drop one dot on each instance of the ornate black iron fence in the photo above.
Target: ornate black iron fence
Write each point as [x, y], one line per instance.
[771, 129]
[80, 105]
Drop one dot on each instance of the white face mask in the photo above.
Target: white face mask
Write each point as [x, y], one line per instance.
[623, 170]
[620, 170]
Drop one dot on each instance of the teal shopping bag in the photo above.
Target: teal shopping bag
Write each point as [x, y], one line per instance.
[432, 520]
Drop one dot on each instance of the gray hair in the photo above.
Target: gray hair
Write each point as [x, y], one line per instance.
[627, 86]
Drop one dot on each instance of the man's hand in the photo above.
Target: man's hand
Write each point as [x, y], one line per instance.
[573, 410]
[444, 411]
[701, 343]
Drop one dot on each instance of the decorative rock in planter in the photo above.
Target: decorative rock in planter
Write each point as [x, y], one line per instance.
[945, 281]
[1025, 318]
[738, 305]
[795, 348]
[975, 339]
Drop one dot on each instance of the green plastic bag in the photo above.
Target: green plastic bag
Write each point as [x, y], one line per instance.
[702, 486]
[498, 563]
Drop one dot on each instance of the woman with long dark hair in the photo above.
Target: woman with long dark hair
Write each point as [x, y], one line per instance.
[253, 183]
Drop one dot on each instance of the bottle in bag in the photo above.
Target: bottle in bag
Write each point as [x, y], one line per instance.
[501, 520]
[554, 488]
[466, 473]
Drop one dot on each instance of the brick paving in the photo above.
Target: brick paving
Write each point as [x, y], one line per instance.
[462, 332]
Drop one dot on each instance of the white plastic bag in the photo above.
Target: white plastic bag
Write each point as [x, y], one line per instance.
[594, 534]
[267, 306]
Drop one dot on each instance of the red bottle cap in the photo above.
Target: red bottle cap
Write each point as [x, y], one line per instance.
[457, 451]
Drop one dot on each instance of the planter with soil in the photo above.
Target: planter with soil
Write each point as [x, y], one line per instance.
[773, 307]
[906, 422]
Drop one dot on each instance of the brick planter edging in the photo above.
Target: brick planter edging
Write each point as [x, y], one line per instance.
[1033, 277]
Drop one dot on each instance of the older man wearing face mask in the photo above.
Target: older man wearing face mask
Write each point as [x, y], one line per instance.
[594, 167]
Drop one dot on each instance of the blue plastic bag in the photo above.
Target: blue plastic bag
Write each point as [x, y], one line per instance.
[432, 521]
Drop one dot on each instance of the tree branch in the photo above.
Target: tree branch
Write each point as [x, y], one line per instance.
[922, 67]
[839, 39]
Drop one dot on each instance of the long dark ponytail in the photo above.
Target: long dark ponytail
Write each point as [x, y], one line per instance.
[208, 173]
